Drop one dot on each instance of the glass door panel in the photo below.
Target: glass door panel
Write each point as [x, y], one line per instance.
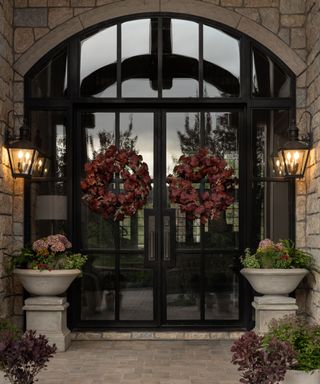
[117, 284]
[201, 281]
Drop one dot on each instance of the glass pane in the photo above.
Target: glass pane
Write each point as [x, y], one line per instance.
[268, 79]
[136, 132]
[221, 64]
[98, 288]
[132, 228]
[48, 209]
[222, 288]
[139, 58]
[271, 211]
[96, 232]
[98, 66]
[183, 288]
[180, 58]
[51, 80]
[271, 132]
[99, 131]
[48, 132]
[136, 294]
[183, 136]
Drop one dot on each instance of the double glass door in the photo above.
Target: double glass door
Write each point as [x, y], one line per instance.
[157, 268]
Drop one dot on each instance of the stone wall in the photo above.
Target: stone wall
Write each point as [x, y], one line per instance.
[10, 193]
[309, 192]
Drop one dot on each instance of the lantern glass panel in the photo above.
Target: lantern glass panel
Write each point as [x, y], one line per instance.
[295, 161]
[22, 160]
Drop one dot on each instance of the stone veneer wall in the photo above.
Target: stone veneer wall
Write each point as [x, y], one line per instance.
[294, 22]
[11, 200]
[308, 194]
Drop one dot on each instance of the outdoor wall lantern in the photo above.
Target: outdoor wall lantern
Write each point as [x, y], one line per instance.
[41, 166]
[291, 159]
[22, 153]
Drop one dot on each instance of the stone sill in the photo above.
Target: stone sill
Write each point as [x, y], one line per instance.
[155, 335]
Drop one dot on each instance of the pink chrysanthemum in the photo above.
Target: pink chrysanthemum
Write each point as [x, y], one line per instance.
[40, 245]
[266, 243]
[64, 241]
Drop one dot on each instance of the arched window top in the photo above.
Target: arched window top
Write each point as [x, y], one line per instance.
[162, 57]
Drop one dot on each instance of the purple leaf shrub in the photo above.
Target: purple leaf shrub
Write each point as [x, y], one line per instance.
[259, 363]
[22, 358]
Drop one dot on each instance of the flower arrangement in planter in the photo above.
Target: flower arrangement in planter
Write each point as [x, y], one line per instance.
[197, 168]
[277, 255]
[100, 172]
[48, 253]
[22, 357]
[276, 268]
[49, 266]
[262, 362]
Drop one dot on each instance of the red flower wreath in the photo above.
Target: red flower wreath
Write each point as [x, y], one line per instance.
[100, 172]
[194, 169]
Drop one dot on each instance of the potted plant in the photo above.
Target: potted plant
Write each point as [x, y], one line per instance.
[305, 340]
[23, 356]
[48, 267]
[275, 268]
[262, 362]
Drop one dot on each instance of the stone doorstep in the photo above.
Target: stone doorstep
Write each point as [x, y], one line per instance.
[154, 335]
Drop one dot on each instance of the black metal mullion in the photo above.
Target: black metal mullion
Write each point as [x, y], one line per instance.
[202, 231]
[119, 58]
[117, 253]
[201, 74]
[160, 57]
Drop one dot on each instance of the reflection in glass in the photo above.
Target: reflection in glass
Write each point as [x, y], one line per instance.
[136, 293]
[96, 232]
[183, 288]
[51, 80]
[99, 130]
[222, 287]
[98, 72]
[221, 64]
[183, 136]
[180, 58]
[136, 132]
[268, 79]
[49, 134]
[48, 209]
[98, 288]
[139, 58]
[271, 211]
[132, 228]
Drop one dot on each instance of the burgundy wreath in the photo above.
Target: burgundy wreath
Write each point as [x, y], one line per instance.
[133, 172]
[196, 168]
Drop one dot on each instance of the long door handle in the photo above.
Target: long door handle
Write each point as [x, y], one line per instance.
[151, 238]
[166, 238]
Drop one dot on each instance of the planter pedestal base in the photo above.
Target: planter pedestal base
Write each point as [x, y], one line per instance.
[270, 307]
[48, 316]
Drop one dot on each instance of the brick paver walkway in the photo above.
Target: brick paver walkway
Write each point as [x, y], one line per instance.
[142, 362]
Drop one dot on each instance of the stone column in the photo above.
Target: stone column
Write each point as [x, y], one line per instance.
[270, 307]
[48, 316]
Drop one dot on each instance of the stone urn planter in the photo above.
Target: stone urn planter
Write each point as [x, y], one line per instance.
[275, 285]
[301, 377]
[46, 311]
[279, 282]
[46, 282]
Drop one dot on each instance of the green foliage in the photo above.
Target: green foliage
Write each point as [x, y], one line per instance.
[74, 261]
[300, 258]
[7, 327]
[304, 338]
[250, 261]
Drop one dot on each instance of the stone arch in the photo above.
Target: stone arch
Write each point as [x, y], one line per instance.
[130, 7]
